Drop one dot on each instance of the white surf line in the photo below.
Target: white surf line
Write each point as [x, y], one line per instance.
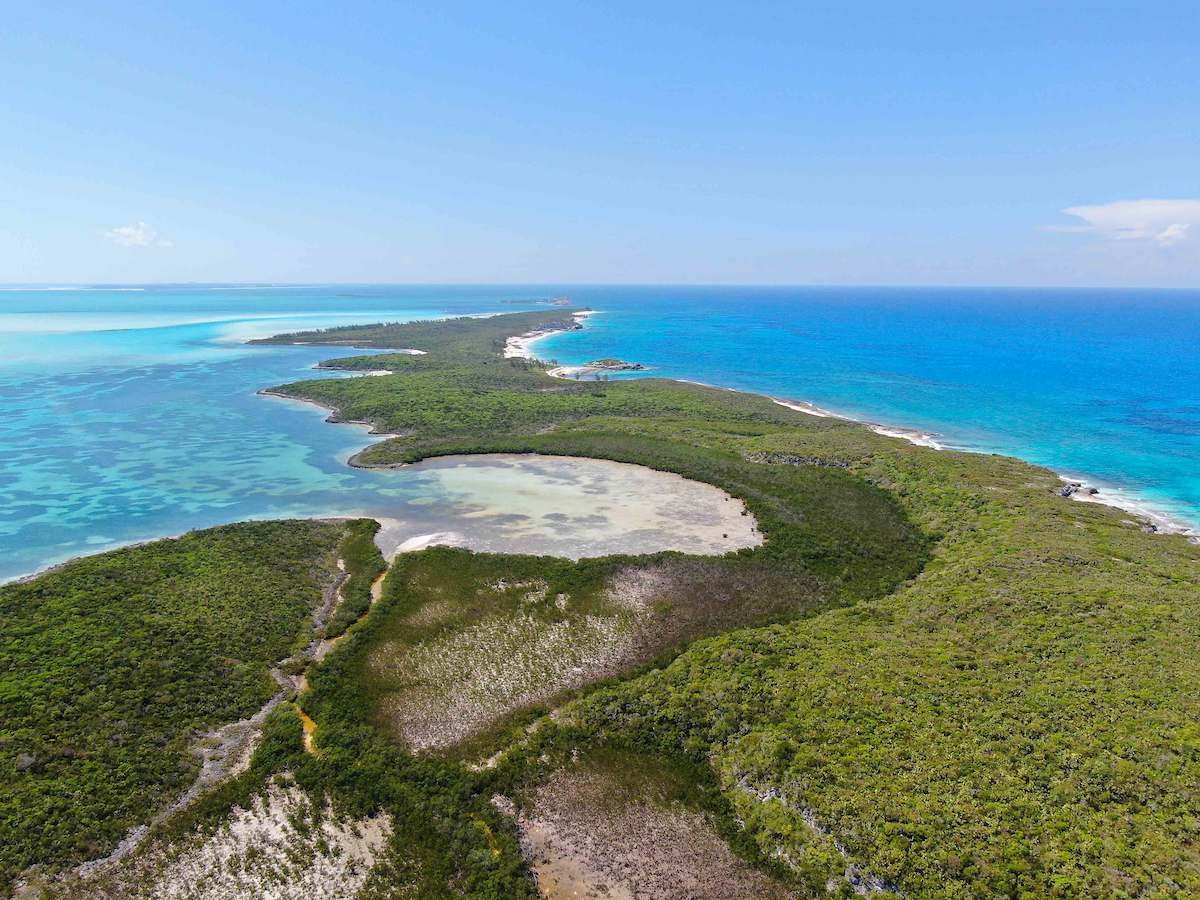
[920, 438]
[1115, 497]
[1105, 495]
[807, 408]
[1122, 499]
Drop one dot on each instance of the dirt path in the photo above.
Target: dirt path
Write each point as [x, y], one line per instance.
[320, 650]
[226, 751]
[377, 587]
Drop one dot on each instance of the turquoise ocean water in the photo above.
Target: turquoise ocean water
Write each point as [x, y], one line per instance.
[131, 414]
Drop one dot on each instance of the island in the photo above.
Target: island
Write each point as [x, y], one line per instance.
[615, 365]
[932, 675]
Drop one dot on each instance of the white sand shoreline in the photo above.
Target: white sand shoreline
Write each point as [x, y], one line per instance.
[920, 438]
[1116, 497]
[1106, 495]
[1122, 499]
[1112, 496]
[521, 346]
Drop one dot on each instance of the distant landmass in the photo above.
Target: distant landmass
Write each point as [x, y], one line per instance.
[551, 301]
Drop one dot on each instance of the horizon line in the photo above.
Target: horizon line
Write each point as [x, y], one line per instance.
[75, 285]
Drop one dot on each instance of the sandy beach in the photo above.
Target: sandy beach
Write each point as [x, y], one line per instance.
[920, 438]
[521, 346]
[1105, 496]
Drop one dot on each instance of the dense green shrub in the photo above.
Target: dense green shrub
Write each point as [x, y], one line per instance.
[1017, 719]
[972, 686]
[110, 665]
[364, 563]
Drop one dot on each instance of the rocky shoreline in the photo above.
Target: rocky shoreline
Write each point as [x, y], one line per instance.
[598, 369]
[615, 365]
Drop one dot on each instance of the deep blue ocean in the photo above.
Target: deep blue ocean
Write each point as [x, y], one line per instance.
[131, 414]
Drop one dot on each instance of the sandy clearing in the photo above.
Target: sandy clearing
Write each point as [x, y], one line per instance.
[260, 853]
[283, 847]
[469, 679]
[585, 837]
[460, 682]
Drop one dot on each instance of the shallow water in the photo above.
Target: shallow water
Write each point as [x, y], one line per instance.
[112, 436]
[133, 414]
[565, 506]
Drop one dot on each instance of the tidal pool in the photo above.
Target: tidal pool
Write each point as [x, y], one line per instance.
[564, 506]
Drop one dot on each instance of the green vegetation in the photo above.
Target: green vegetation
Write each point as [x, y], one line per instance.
[447, 838]
[480, 636]
[364, 563]
[462, 390]
[112, 664]
[473, 340]
[636, 817]
[936, 675]
[465, 639]
[1020, 718]
[512, 397]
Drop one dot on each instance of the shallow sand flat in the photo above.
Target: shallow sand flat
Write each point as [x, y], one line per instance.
[589, 835]
[465, 682]
[570, 507]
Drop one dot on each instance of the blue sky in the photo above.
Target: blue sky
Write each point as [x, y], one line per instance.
[615, 142]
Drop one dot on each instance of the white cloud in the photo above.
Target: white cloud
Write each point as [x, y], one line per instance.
[1165, 223]
[1173, 234]
[137, 235]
